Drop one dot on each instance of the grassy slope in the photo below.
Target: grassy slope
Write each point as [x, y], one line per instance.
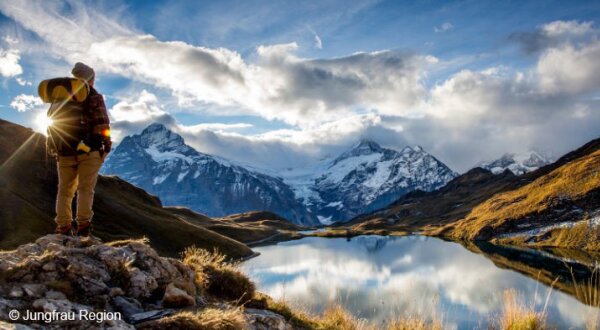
[28, 189]
[549, 199]
[245, 227]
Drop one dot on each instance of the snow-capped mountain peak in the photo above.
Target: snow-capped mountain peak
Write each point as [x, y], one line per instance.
[159, 161]
[162, 139]
[363, 148]
[368, 177]
[518, 163]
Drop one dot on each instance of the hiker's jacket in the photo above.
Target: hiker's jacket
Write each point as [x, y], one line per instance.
[100, 123]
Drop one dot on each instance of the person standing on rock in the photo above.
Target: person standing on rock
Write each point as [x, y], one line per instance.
[79, 138]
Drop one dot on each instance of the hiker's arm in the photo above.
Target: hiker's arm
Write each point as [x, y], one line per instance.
[101, 121]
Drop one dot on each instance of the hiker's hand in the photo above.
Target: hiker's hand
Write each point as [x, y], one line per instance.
[107, 145]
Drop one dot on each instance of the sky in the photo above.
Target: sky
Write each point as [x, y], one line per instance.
[283, 84]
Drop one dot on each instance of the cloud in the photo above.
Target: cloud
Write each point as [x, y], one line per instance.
[570, 69]
[279, 85]
[9, 63]
[25, 102]
[318, 42]
[445, 27]
[330, 103]
[23, 82]
[552, 34]
[217, 127]
[561, 28]
[135, 113]
[277, 149]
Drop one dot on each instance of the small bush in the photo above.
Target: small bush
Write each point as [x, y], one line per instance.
[415, 323]
[208, 319]
[217, 277]
[228, 283]
[337, 318]
[516, 316]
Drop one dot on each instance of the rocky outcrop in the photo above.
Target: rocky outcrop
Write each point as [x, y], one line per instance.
[85, 284]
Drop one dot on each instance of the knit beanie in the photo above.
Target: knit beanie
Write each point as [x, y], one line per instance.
[83, 72]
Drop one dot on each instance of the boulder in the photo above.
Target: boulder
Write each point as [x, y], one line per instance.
[260, 319]
[175, 297]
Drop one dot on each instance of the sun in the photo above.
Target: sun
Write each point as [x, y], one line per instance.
[41, 123]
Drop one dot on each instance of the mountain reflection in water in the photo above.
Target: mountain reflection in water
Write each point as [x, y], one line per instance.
[377, 277]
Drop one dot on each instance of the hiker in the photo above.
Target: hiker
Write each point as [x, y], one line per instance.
[79, 138]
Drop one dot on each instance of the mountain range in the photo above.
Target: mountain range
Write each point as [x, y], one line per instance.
[364, 178]
[556, 205]
[517, 163]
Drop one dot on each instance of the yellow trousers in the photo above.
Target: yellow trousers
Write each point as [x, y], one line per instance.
[76, 174]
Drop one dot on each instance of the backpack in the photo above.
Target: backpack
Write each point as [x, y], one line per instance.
[70, 118]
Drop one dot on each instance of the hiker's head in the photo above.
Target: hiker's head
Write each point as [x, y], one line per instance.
[84, 72]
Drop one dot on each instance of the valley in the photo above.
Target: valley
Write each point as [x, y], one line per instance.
[536, 232]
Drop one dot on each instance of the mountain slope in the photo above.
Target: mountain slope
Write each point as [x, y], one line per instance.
[450, 203]
[159, 161]
[566, 198]
[368, 177]
[28, 189]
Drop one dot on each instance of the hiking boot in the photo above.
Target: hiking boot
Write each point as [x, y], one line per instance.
[84, 229]
[66, 230]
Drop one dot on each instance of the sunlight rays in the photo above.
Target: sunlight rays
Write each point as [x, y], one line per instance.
[17, 152]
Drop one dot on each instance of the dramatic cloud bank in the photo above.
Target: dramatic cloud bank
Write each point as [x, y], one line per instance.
[468, 116]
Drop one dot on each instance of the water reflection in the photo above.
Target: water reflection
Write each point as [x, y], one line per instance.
[376, 277]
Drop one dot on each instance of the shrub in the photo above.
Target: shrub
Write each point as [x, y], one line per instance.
[217, 277]
[208, 319]
[516, 316]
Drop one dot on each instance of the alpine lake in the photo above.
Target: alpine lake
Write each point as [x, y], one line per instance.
[377, 278]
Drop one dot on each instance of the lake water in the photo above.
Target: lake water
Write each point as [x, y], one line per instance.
[377, 278]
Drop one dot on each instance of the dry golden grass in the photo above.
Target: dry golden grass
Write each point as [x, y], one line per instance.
[588, 292]
[296, 317]
[207, 319]
[336, 318]
[569, 182]
[217, 277]
[517, 316]
[144, 240]
[415, 323]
